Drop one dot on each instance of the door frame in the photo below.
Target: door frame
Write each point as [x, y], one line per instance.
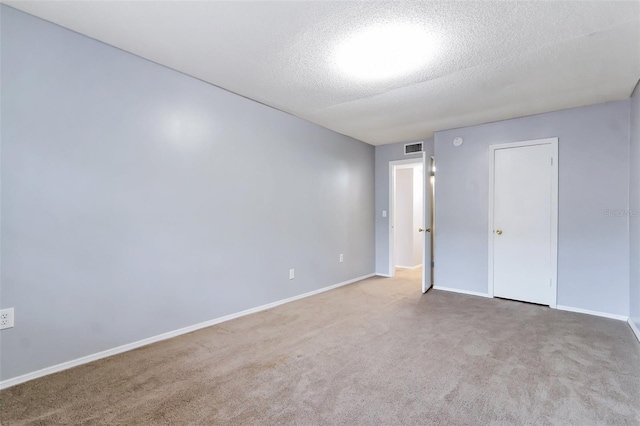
[392, 207]
[554, 209]
[430, 191]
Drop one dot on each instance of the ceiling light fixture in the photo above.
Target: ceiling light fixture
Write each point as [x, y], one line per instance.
[385, 51]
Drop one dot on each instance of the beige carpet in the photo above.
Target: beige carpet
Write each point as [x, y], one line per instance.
[376, 352]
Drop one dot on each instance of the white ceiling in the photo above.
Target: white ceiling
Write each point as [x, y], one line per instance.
[494, 61]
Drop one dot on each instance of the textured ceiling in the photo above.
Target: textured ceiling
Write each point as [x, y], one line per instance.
[494, 60]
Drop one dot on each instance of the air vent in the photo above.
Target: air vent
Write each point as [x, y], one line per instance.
[412, 148]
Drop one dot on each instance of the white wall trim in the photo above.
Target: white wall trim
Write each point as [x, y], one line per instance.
[554, 210]
[595, 313]
[634, 329]
[409, 267]
[456, 290]
[383, 275]
[134, 345]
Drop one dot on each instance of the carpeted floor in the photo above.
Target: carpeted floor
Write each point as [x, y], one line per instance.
[375, 352]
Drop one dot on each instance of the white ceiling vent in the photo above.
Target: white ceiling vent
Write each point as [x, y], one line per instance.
[412, 148]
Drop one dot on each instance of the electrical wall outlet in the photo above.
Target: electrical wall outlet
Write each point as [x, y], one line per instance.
[292, 274]
[341, 257]
[6, 318]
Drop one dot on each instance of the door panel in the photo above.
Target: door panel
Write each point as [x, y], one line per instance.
[426, 221]
[522, 223]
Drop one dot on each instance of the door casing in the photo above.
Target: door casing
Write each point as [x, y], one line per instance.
[554, 210]
[391, 216]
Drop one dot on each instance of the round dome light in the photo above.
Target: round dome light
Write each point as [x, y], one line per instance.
[385, 51]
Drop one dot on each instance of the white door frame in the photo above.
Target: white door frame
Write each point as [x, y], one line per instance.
[554, 209]
[392, 206]
[430, 191]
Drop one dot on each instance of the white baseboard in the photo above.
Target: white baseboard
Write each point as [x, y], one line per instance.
[634, 329]
[596, 313]
[383, 275]
[456, 290]
[130, 346]
[409, 267]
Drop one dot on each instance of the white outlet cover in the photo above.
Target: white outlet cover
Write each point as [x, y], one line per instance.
[6, 318]
[292, 274]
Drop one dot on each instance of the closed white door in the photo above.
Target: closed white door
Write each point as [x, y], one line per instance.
[523, 223]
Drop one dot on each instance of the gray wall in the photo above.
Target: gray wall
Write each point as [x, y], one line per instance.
[384, 154]
[123, 214]
[593, 247]
[418, 215]
[634, 209]
[404, 218]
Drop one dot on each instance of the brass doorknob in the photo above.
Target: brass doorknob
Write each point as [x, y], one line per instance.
[499, 232]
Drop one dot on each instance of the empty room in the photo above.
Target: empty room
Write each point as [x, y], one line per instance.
[320, 213]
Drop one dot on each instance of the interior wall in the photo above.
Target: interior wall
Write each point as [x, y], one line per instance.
[123, 216]
[634, 210]
[383, 155]
[418, 216]
[404, 218]
[593, 246]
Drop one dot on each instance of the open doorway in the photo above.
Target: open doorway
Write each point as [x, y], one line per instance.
[411, 187]
[408, 216]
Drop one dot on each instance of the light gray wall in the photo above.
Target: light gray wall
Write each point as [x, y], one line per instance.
[593, 248]
[404, 218]
[634, 209]
[418, 216]
[123, 216]
[384, 154]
